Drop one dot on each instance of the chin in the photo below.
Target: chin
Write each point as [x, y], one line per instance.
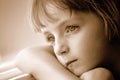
[79, 71]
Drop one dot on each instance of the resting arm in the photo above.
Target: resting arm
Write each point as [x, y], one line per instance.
[43, 65]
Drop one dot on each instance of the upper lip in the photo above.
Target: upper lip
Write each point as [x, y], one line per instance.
[69, 62]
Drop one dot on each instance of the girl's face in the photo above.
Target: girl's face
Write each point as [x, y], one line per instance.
[78, 39]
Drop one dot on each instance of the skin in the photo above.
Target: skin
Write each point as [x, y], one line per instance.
[41, 63]
[78, 37]
[97, 74]
[86, 43]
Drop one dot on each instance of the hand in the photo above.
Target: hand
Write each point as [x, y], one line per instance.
[97, 74]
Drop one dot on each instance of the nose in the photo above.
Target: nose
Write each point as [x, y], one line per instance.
[61, 47]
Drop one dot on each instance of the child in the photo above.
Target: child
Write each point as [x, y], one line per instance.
[83, 40]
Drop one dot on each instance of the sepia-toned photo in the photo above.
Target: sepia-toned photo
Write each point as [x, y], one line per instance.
[59, 39]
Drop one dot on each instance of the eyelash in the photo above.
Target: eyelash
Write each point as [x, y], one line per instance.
[69, 28]
[72, 28]
[50, 38]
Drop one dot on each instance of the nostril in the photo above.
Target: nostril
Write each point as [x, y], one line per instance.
[62, 52]
[61, 48]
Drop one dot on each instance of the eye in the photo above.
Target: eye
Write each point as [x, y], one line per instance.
[72, 28]
[50, 38]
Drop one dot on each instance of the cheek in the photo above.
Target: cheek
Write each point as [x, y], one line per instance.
[88, 45]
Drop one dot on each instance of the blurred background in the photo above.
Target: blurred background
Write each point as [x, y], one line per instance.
[15, 28]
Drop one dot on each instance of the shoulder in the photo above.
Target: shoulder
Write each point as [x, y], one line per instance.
[29, 58]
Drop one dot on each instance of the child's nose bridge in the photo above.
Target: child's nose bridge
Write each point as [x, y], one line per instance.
[61, 46]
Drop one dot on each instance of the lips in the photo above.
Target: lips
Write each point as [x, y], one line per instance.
[70, 62]
[72, 66]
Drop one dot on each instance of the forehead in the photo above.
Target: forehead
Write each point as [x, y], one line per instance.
[53, 13]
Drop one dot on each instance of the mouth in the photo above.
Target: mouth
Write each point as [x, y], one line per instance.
[70, 62]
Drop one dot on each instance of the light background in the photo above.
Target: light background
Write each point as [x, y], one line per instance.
[15, 28]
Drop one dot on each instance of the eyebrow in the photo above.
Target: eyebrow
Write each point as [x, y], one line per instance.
[60, 24]
[45, 31]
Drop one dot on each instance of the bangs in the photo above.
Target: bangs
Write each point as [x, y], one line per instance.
[40, 12]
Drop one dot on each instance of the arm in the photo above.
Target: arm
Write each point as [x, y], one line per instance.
[44, 67]
[97, 74]
[42, 64]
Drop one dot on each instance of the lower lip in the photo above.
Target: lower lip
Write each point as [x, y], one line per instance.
[74, 68]
[72, 65]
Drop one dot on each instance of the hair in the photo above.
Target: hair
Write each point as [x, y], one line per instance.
[108, 10]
